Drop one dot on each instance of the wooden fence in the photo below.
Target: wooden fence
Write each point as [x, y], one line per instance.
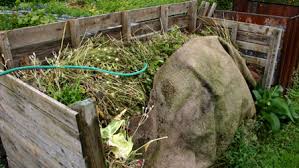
[38, 131]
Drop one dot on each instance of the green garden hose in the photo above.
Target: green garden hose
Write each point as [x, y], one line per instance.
[74, 67]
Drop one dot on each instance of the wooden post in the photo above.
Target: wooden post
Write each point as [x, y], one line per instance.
[234, 32]
[90, 133]
[192, 15]
[212, 10]
[272, 58]
[6, 50]
[164, 18]
[75, 32]
[201, 8]
[126, 25]
[207, 5]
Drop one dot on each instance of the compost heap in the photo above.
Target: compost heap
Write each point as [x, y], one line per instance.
[117, 98]
[211, 91]
[199, 98]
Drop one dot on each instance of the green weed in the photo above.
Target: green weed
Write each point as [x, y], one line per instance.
[273, 107]
[255, 146]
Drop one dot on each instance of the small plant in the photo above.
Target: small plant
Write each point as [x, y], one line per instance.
[68, 94]
[274, 107]
[36, 17]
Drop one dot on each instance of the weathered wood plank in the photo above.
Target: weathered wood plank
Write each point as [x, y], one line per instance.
[180, 21]
[92, 25]
[192, 13]
[21, 149]
[212, 10]
[6, 50]
[201, 8]
[41, 50]
[234, 33]
[146, 27]
[90, 133]
[247, 27]
[179, 8]
[252, 37]
[53, 108]
[75, 32]
[253, 47]
[272, 58]
[24, 116]
[164, 18]
[144, 14]
[143, 28]
[206, 9]
[38, 34]
[255, 60]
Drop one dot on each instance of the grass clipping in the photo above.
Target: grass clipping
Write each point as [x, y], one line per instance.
[117, 98]
[113, 94]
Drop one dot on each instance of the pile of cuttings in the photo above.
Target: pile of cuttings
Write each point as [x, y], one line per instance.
[117, 98]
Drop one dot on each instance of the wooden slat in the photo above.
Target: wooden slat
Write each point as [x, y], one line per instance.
[144, 14]
[192, 13]
[39, 34]
[21, 149]
[24, 116]
[212, 10]
[180, 21]
[90, 133]
[41, 50]
[234, 33]
[206, 9]
[201, 8]
[75, 32]
[58, 111]
[253, 47]
[97, 23]
[252, 37]
[146, 27]
[6, 50]
[247, 27]
[180, 8]
[272, 58]
[164, 18]
[255, 60]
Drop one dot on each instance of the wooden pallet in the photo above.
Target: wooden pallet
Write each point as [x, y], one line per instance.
[259, 45]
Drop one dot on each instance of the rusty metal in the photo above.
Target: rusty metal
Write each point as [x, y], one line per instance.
[278, 15]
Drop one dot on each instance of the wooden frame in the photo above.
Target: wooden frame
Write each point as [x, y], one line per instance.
[259, 45]
[38, 131]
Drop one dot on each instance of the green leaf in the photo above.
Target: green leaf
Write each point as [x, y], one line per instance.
[273, 121]
[281, 107]
[121, 146]
[257, 94]
[294, 109]
[276, 91]
[111, 129]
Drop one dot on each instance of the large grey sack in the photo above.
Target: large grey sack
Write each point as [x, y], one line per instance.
[200, 96]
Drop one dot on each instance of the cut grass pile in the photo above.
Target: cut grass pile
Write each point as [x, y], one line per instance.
[112, 93]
